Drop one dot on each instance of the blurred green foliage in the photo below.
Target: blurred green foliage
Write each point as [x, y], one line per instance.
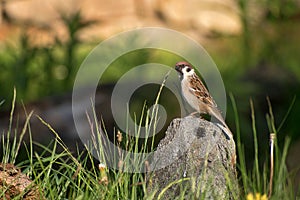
[39, 71]
[262, 61]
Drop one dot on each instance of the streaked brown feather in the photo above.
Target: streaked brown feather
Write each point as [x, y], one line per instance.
[200, 91]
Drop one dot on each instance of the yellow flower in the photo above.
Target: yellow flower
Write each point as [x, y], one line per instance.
[250, 196]
[264, 197]
[257, 196]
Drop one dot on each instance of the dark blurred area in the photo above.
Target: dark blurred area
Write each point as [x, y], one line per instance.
[255, 45]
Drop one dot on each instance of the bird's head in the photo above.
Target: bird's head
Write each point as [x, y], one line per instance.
[184, 69]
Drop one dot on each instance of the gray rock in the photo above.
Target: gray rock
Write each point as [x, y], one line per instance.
[194, 161]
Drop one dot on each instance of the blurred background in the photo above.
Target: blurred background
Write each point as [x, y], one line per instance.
[254, 43]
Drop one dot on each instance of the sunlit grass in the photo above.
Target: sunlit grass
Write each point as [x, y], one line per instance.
[59, 174]
[273, 180]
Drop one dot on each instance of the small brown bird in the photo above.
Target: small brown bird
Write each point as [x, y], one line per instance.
[196, 94]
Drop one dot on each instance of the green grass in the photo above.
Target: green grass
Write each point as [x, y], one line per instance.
[258, 180]
[48, 70]
[59, 174]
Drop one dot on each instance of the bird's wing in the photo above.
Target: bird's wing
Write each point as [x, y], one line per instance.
[200, 91]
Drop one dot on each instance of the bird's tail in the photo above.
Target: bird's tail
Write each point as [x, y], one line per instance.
[217, 114]
[226, 130]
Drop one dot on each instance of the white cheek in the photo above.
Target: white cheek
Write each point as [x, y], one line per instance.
[186, 73]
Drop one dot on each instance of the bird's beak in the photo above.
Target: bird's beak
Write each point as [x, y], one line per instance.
[178, 69]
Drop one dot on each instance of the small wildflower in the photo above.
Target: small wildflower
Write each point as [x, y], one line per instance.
[103, 175]
[250, 196]
[104, 180]
[102, 166]
[264, 197]
[257, 196]
[119, 137]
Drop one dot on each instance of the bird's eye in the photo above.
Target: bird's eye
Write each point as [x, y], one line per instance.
[188, 69]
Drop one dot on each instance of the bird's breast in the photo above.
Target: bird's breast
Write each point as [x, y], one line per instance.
[189, 96]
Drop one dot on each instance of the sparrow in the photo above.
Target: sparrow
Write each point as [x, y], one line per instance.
[195, 93]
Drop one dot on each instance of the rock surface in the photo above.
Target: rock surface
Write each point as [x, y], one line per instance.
[15, 184]
[196, 153]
